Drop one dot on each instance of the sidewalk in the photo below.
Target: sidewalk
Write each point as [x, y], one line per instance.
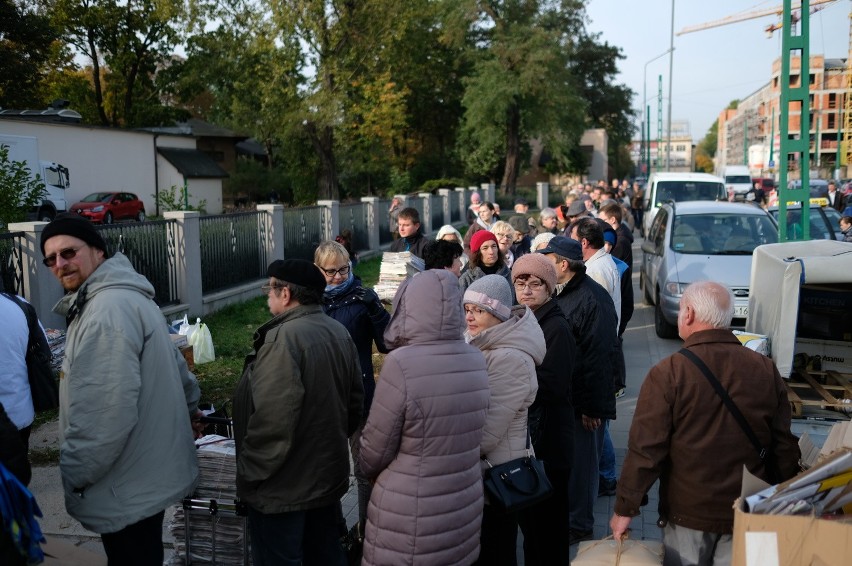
[642, 349]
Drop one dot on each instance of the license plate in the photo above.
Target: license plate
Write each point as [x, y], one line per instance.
[741, 312]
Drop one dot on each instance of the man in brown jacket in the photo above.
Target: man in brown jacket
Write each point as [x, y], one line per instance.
[683, 434]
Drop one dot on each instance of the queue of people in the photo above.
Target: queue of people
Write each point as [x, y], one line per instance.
[484, 365]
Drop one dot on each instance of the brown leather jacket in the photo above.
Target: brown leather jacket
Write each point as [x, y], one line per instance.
[683, 434]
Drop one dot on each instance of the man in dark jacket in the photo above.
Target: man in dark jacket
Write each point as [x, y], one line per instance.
[683, 435]
[297, 403]
[591, 314]
[410, 237]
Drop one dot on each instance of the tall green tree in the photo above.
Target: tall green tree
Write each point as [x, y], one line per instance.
[706, 149]
[521, 86]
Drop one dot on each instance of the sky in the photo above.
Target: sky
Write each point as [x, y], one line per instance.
[711, 67]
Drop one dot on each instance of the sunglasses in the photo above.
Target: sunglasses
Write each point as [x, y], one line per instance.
[67, 254]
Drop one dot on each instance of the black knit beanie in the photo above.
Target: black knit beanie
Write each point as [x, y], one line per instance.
[72, 224]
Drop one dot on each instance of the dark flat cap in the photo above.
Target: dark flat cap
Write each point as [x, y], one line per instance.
[565, 247]
[72, 224]
[577, 208]
[519, 223]
[297, 272]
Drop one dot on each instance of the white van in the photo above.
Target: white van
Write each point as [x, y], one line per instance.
[679, 187]
[737, 179]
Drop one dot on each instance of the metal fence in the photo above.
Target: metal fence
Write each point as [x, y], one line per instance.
[455, 210]
[232, 250]
[303, 231]
[11, 263]
[436, 207]
[353, 217]
[150, 247]
[383, 219]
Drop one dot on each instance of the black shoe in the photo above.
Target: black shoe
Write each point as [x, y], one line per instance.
[575, 536]
[606, 488]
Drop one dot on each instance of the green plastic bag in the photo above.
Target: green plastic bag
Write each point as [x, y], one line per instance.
[202, 344]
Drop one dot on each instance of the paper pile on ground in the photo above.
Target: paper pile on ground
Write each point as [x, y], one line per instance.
[395, 268]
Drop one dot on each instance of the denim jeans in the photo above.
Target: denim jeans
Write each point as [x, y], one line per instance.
[309, 537]
[607, 463]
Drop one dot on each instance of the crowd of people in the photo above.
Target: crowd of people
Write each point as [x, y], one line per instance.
[507, 344]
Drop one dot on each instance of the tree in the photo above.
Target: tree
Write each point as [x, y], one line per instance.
[706, 149]
[28, 43]
[19, 190]
[521, 86]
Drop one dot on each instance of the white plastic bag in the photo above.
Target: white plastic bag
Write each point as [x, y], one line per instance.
[187, 329]
[202, 343]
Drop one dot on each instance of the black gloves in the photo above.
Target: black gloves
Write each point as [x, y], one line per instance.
[371, 301]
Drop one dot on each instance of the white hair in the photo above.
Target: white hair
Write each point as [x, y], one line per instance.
[547, 212]
[543, 238]
[448, 229]
[712, 302]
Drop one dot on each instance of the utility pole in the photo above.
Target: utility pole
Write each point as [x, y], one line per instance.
[660, 122]
[671, 81]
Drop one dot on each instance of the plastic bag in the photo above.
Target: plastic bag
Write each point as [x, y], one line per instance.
[202, 343]
[184, 328]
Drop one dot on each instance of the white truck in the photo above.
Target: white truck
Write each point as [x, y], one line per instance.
[737, 180]
[53, 175]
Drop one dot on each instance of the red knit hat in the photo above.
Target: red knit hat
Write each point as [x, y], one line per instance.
[480, 238]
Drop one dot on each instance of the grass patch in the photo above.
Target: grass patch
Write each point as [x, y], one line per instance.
[44, 456]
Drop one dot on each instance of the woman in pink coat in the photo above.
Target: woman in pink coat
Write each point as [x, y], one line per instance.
[422, 437]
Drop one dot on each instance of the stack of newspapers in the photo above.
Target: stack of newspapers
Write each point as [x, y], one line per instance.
[216, 533]
[823, 490]
[395, 268]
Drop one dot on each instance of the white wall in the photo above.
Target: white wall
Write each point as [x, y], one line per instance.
[199, 189]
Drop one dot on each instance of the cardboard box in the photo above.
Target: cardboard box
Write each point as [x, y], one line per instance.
[833, 355]
[787, 540]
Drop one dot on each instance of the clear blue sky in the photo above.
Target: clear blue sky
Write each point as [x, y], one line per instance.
[713, 66]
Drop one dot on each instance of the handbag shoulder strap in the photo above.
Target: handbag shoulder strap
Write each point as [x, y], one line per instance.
[36, 341]
[726, 399]
[27, 313]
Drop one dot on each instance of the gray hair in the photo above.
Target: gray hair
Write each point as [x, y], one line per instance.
[547, 212]
[712, 302]
[541, 240]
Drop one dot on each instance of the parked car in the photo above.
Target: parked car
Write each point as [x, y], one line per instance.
[106, 208]
[703, 240]
[824, 220]
[818, 187]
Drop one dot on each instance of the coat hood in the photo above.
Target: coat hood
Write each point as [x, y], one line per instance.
[521, 332]
[426, 308]
[115, 273]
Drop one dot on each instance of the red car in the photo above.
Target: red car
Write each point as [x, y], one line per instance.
[106, 208]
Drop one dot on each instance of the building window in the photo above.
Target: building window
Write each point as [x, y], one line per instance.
[832, 100]
[831, 121]
[794, 80]
[811, 79]
[680, 148]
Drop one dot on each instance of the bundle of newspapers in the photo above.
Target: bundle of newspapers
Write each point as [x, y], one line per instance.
[216, 533]
[823, 490]
[396, 267]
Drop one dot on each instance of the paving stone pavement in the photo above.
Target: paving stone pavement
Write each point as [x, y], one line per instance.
[642, 349]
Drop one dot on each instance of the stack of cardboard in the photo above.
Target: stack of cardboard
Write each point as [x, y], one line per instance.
[396, 267]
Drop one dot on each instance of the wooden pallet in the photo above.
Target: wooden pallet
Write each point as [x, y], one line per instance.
[838, 386]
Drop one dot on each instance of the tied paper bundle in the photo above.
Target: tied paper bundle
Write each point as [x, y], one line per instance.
[608, 552]
[396, 267]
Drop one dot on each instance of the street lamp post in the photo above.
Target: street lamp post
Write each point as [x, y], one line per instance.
[671, 65]
[645, 99]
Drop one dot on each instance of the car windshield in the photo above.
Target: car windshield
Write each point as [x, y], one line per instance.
[682, 191]
[738, 179]
[722, 234]
[98, 197]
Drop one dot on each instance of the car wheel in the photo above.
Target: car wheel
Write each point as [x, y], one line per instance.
[661, 326]
[108, 218]
[46, 215]
[140, 216]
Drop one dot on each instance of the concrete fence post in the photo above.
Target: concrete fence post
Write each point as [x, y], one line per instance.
[426, 217]
[188, 258]
[42, 288]
[331, 225]
[372, 217]
[542, 196]
[271, 230]
[461, 194]
[446, 195]
[488, 192]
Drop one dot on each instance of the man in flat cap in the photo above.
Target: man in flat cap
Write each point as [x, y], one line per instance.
[126, 398]
[296, 405]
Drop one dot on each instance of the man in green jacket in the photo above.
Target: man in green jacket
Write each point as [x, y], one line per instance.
[126, 398]
[298, 401]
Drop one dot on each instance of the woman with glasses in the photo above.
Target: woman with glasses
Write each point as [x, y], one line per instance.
[505, 235]
[551, 416]
[485, 259]
[358, 309]
[513, 344]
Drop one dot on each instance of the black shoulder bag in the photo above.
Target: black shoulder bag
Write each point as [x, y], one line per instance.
[43, 386]
[517, 484]
[767, 456]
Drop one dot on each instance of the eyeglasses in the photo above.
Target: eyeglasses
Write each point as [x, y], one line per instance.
[502, 236]
[343, 271]
[266, 289]
[531, 285]
[473, 310]
[67, 254]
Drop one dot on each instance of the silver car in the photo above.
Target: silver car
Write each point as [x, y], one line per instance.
[695, 241]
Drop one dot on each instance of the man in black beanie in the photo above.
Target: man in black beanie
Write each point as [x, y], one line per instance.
[127, 399]
[299, 400]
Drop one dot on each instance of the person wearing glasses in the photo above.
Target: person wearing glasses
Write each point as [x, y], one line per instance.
[126, 398]
[505, 235]
[297, 403]
[513, 345]
[551, 416]
[357, 308]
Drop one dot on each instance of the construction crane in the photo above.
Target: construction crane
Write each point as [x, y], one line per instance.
[776, 11]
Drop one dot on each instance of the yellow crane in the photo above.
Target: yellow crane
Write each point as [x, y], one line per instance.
[743, 16]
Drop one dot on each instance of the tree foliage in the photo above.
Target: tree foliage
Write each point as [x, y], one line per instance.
[20, 191]
[706, 149]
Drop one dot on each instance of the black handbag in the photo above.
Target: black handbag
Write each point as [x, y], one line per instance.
[43, 386]
[517, 484]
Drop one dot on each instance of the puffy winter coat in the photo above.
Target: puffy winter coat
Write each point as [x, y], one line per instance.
[421, 440]
[512, 350]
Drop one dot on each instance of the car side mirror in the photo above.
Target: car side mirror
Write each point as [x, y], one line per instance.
[649, 247]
